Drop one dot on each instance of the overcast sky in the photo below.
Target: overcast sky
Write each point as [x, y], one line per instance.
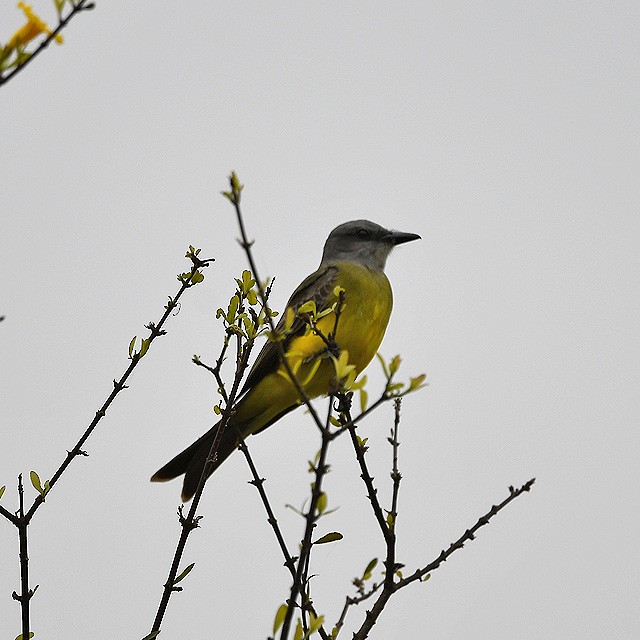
[504, 133]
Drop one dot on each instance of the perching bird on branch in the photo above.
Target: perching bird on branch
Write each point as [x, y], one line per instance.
[353, 260]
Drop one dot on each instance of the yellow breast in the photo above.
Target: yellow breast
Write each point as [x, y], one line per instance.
[361, 326]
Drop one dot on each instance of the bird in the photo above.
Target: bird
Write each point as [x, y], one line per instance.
[352, 268]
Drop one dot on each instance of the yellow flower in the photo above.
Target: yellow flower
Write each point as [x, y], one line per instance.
[34, 27]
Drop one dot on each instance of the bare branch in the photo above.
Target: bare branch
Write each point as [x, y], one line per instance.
[373, 615]
[243, 352]
[234, 198]
[298, 586]
[155, 331]
[289, 561]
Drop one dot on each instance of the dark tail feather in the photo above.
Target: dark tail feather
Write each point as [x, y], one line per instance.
[192, 460]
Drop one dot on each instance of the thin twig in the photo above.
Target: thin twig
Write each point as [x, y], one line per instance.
[191, 521]
[396, 476]
[215, 371]
[355, 600]
[469, 534]
[373, 614]
[22, 520]
[9, 516]
[350, 422]
[387, 526]
[258, 483]
[25, 592]
[297, 587]
[289, 561]
[246, 245]
[81, 5]
[155, 331]
[367, 478]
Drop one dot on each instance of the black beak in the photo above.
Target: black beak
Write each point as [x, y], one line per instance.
[400, 237]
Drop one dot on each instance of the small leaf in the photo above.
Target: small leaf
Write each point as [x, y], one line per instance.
[308, 307]
[2, 490]
[249, 327]
[329, 537]
[197, 277]
[294, 509]
[312, 372]
[252, 297]
[132, 344]
[298, 634]
[35, 481]
[325, 312]
[314, 624]
[384, 366]
[370, 567]
[364, 400]
[31, 634]
[152, 635]
[416, 383]
[334, 421]
[290, 316]
[322, 502]
[234, 181]
[342, 366]
[184, 574]
[394, 365]
[232, 309]
[281, 614]
[216, 409]
[247, 281]
[145, 347]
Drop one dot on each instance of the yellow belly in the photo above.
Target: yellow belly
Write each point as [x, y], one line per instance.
[361, 327]
[364, 318]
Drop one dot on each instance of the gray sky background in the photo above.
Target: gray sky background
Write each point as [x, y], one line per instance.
[505, 133]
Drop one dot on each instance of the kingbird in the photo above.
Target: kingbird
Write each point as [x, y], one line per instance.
[353, 260]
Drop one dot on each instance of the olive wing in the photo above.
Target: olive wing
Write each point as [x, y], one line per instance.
[318, 287]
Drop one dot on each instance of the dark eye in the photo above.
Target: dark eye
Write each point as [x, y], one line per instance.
[363, 233]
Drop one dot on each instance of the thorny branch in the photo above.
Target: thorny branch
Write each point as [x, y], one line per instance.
[190, 522]
[389, 589]
[298, 584]
[22, 519]
[234, 197]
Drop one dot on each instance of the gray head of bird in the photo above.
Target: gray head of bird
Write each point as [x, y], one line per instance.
[363, 242]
